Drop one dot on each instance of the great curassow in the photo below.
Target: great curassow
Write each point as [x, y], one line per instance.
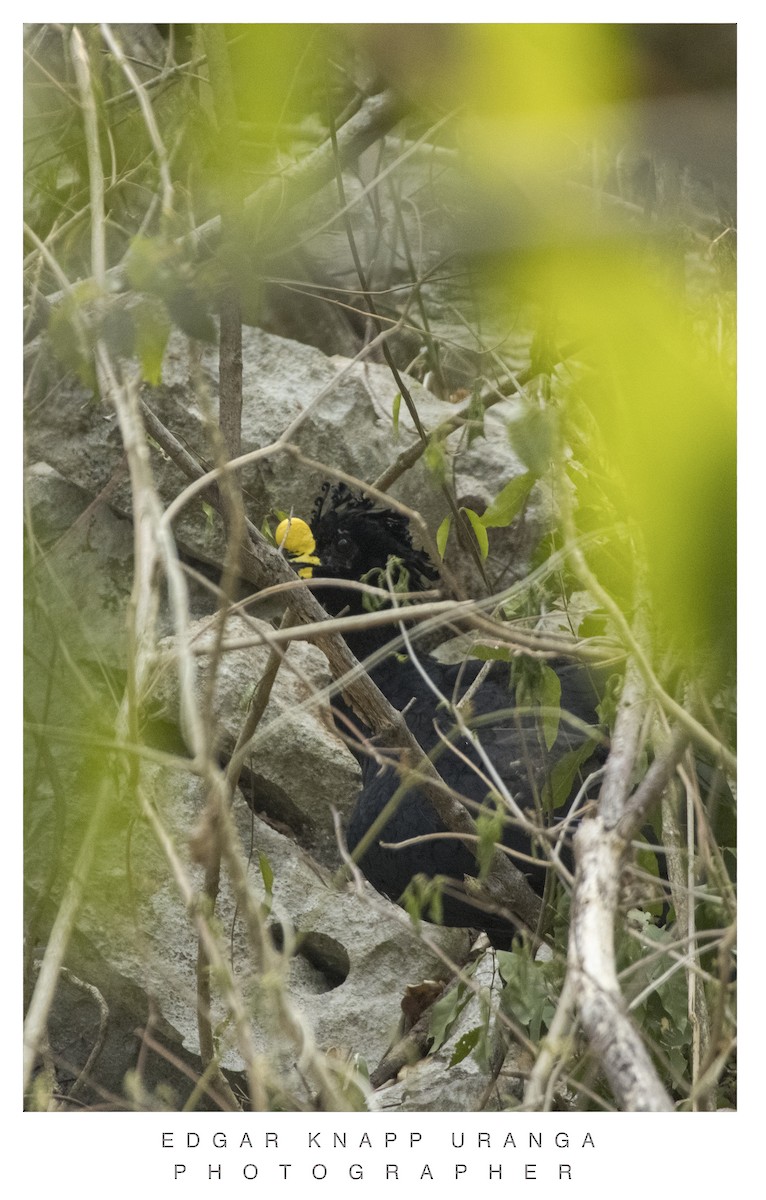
[540, 763]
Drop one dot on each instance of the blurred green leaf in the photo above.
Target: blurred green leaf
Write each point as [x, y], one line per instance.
[436, 460]
[189, 311]
[474, 416]
[152, 333]
[67, 339]
[149, 263]
[119, 331]
[532, 435]
[663, 405]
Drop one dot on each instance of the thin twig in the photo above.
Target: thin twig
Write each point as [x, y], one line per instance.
[63, 927]
[147, 111]
[95, 173]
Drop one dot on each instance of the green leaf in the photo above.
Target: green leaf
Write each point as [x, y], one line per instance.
[646, 859]
[533, 437]
[267, 875]
[189, 311]
[423, 896]
[447, 1009]
[266, 872]
[508, 502]
[397, 407]
[560, 779]
[118, 330]
[152, 333]
[480, 532]
[666, 1006]
[607, 706]
[530, 990]
[442, 534]
[526, 678]
[474, 416]
[436, 460]
[378, 577]
[465, 1045]
[67, 342]
[492, 653]
[549, 694]
[489, 826]
[146, 265]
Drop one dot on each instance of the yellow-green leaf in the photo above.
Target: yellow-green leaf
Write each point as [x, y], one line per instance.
[442, 534]
[533, 436]
[479, 530]
[152, 333]
[436, 460]
[268, 881]
[508, 502]
[549, 695]
[396, 409]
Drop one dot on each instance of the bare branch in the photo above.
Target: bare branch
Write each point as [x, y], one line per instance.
[614, 1040]
[375, 117]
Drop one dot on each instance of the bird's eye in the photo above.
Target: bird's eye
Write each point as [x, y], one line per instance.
[343, 544]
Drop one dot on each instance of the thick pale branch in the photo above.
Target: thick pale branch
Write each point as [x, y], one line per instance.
[600, 846]
[651, 787]
[616, 1044]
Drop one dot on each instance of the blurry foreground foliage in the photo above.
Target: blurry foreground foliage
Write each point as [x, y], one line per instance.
[551, 121]
[596, 229]
[549, 117]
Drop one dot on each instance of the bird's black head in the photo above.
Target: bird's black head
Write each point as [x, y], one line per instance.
[355, 536]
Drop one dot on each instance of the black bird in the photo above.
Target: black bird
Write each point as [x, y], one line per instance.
[538, 763]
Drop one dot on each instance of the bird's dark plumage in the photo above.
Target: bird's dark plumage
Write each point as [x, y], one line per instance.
[354, 537]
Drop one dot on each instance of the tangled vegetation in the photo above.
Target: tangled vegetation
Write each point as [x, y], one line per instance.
[525, 242]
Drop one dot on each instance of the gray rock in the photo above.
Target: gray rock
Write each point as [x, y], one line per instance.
[298, 768]
[354, 955]
[83, 564]
[337, 413]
